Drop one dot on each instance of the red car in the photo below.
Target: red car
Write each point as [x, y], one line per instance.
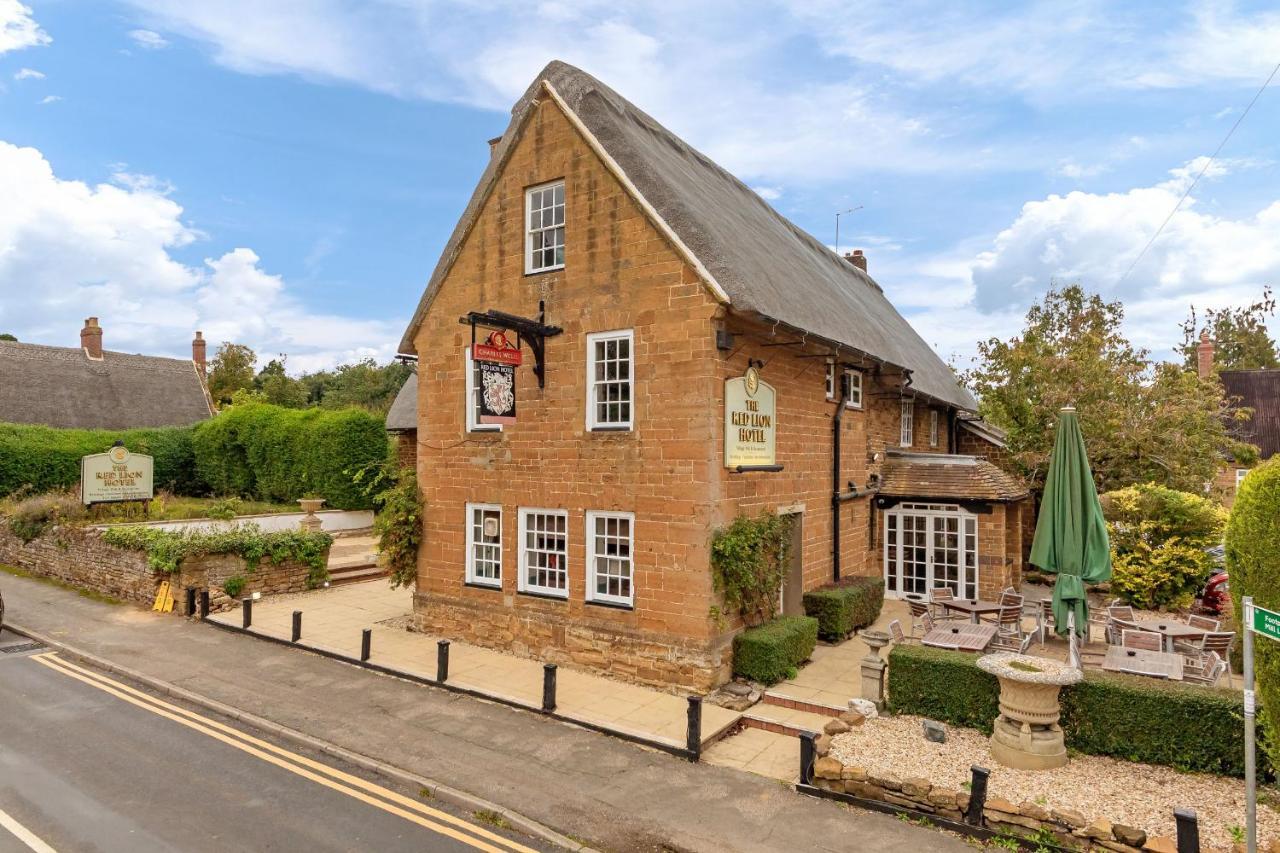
[1215, 598]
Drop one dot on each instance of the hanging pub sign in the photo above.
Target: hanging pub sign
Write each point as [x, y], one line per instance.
[116, 475]
[749, 421]
[496, 361]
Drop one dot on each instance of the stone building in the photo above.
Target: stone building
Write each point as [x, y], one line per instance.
[402, 421]
[689, 355]
[91, 387]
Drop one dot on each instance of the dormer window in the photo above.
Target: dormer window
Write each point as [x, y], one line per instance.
[544, 228]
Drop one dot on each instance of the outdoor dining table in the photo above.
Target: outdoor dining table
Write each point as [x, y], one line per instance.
[973, 606]
[967, 637]
[1170, 630]
[1143, 662]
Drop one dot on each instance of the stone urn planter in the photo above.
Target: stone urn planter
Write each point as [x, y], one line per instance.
[310, 506]
[1026, 735]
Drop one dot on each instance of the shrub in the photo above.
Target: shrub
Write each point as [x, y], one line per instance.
[398, 524]
[747, 560]
[234, 585]
[845, 607]
[1186, 726]
[1158, 541]
[45, 459]
[29, 517]
[771, 652]
[272, 453]
[1253, 561]
[166, 549]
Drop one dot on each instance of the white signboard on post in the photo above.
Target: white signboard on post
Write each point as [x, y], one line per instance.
[750, 421]
[116, 475]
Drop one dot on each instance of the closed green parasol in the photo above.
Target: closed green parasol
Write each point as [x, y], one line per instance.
[1071, 534]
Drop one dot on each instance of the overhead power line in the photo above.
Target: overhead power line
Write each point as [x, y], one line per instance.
[1200, 175]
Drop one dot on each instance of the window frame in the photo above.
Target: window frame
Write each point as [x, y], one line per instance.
[471, 577]
[594, 425]
[850, 372]
[906, 422]
[522, 580]
[471, 399]
[529, 230]
[592, 516]
[1241, 473]
[933, 427]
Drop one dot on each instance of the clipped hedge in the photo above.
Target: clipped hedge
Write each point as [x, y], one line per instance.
[771, 652]
[166, 549]
[1186, 726]
[45, 459]
[276, 454]
[845, 607]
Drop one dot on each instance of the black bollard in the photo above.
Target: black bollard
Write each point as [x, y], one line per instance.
[204, 604]
[977, 795]
[1188, 830]
[297, 625]
[442, 661]
[693, 735]
[548, 687]
[246, 610]
[366, 640]
[807, 753]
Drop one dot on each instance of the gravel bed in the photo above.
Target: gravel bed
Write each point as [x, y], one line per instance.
[1140, 795]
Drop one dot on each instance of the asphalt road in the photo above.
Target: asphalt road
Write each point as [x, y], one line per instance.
[90, 763]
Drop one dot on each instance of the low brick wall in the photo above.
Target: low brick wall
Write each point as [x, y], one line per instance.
[1069, 827]
[79, 556]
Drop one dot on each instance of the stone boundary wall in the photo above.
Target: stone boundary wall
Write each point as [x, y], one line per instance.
[79, 556]
[1071, 828]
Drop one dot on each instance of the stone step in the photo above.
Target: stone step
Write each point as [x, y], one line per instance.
[785, 721]
[356, 575]
[781, 699]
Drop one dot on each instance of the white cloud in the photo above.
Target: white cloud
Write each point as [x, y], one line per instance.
[18, 29]
[149, 39]
[50, 99]
[768, 193]
[70, 250]
[28, 74]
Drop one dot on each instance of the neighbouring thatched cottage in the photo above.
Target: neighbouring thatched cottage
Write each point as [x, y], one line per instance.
[660, 351]
[402, 421]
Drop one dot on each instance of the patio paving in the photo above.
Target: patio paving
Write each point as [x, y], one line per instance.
[757, 751]
[333, 619]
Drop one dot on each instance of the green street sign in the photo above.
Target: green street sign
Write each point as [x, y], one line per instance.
[1265, 622]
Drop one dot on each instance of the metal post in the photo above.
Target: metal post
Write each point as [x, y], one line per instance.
[191, 601]
[977, 795]
[204, 604]
[297, 625]
[246, 610]
[1188, 831]
[807, 752]
[366, 640]
[693, 736]
[548, 687]
[442, 661]
[1250, 770]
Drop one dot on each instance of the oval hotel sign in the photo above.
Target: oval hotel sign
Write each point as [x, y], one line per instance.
[750, 421]
[116, 475]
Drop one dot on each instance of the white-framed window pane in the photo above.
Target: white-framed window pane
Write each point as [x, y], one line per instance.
[544, 552]
[610, 539]
[1241, 473]
[933, 427]
[831, 380]
[610, 375]
[854, 378]
[472, 402]
[484, 544]
[544, 235]
[908, 423]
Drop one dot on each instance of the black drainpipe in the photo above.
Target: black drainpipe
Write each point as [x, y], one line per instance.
[835, 475]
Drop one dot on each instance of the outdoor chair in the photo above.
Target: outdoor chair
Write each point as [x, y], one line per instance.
[929, 625]
[1044, 617]
[937, 598]
[1148, 640]
[1121, 611]
[918, 610]
[1203, 622]
[1008, 598]
[1115, 634]
[1009, 634]
[1205, 671]
[1219, 643]
[899, 638]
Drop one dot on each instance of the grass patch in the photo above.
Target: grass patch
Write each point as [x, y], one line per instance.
[83, 592]
[492, 818]
[177, 508]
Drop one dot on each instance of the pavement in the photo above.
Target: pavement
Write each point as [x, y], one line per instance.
[88, 763]
[594, 789]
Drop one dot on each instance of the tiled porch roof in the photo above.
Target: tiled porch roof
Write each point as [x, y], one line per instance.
[935, 475]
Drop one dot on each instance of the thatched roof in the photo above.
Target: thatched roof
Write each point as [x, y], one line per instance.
[955, 477]
[403, 414]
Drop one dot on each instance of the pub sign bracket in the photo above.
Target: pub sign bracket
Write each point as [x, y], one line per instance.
[534, 332]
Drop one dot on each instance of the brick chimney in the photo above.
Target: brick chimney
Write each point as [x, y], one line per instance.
[493, 145]
[91, 338]
[1204, 355]
[198, 353]
[858, 259]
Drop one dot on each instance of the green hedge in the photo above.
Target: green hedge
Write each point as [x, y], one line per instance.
[772, 652]
[845, 607]
[45, 459]
[1186, 726]
[272, 453]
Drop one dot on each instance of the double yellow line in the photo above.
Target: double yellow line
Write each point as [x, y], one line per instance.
[377, 796]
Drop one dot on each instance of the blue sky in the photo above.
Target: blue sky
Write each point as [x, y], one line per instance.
[287, 176]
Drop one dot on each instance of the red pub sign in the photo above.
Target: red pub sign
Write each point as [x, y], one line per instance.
[496, 361]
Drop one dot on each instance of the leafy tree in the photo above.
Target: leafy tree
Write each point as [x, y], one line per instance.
[278, 387]
[1240, 337]
[1142, 422]
[365, 384]
[231, 370]
[8, 337]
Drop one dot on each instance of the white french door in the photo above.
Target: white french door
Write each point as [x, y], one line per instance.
[928, 546]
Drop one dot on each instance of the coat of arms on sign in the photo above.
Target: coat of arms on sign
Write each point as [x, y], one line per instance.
[496, 361]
